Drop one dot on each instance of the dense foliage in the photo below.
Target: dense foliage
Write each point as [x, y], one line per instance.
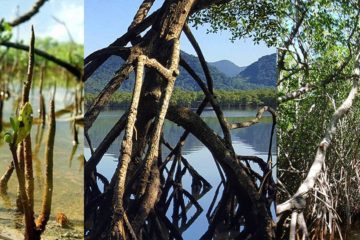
[320, 44]
[14, 62]
[262, 72]
[256, 19]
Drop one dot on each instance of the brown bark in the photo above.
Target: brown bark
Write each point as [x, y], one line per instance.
[29, 14]
[29, 178]
[29, 217]
[118, 221]
[27, 151]
[167, 31]
[103, 98]
[48, 186]
[141, 13]
[5, 178]
[137, 173]
[159, 120]
[259, 219]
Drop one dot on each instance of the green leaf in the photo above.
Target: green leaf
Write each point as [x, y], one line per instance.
[25, 122]
[14, 124]
[8, 137]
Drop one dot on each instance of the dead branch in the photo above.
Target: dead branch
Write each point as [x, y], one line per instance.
[258, 117]
[29, 14]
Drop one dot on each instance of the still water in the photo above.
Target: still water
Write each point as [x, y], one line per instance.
[68, 172]
[253, 140]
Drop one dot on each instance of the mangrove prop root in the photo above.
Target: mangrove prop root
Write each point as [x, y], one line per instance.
[48, 187]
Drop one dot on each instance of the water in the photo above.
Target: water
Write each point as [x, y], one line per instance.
[253, 140]
[68, 172]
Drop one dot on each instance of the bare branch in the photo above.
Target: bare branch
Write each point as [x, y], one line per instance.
[294, 31]
[126, 147]
[141, 13]
[71, 68]
[104, 96]
[120, 42]
[66, 28]
[28, 15]
[212, 100]
[198, 51]
[259, 115]
[122, 52]
[296, 94]
[105, 144]
[316, 167]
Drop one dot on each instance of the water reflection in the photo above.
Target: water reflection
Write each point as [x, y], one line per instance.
[255, 137]
[248, 141]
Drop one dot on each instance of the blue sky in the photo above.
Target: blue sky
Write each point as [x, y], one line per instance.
[69, 11]
[107, 20]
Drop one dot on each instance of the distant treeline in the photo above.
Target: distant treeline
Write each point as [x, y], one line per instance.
[227, 99]
[14, 62]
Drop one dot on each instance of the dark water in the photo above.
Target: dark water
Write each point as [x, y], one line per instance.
[253, 140]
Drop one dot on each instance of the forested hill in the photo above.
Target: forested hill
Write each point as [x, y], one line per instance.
[263, 71]
[227, 67]
[259, 74]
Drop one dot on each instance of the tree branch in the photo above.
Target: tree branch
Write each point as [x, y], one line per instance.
[198, 51]
[29, 14]
[72, 69]
[120, 42]
[298, 201]
[122, 52]
[141, 13]
[259, 115]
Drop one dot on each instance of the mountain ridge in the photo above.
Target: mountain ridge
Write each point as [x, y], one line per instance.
[251, 77]
[227, 67]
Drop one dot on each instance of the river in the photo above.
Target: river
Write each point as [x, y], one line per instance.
[253, 140]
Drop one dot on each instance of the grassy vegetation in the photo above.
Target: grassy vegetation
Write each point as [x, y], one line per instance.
[14, 62]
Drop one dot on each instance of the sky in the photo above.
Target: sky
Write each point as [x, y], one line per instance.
[105, 21]
[69, 11]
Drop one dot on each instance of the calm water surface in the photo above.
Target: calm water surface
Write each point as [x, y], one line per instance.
[68, 172]
[248, 141]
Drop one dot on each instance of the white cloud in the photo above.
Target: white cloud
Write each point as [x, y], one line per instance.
[72, 14]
